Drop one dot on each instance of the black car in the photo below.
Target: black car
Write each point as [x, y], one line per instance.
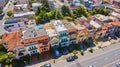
[69, 59]
[75, 57]
[46, 65]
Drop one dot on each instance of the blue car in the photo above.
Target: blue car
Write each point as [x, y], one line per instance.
[57, 53]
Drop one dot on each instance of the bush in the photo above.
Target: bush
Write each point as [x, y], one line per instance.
[14, 3]
[113, 42]
[99, 46]
[68, 18]
[39, 57]
[9, 13]
[75, 52]
[82, 52]
[91, 50]
[1, 36]
[70, 49]
[95, 41]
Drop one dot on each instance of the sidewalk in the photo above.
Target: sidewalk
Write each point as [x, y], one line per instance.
[63, 57]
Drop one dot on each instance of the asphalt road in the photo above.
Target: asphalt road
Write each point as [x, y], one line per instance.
[106, 57]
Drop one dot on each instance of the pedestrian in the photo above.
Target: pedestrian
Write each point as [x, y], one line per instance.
[53, 61]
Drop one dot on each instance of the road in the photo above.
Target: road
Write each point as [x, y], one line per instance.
[106, 57]
[9, 6]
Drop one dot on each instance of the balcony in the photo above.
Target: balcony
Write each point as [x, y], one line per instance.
[32, 48]
[64, 39]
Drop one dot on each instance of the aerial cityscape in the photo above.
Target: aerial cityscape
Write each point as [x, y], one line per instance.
[59, 33]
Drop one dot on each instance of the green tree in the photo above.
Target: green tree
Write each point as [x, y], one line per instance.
[9, 13]
[46, 18]
[58, 15]
[1, 36]
[66, 10]
[32, 1]
[104, 11]
[45, 3]
[1, 11]
[39, 57]
[91, 50]
[82, 52]
[14, 3]
[7, 58]
[81, 10]
[75, 52]
[99, 47]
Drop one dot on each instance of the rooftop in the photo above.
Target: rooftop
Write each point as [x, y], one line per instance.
[36, 4]
[78, 25]
[101, 17]
[59, 26]
[68, 25]
[10, 21]
[50, 30]
[13, 39]
[95, 24]
[40, 30]
[115, 14]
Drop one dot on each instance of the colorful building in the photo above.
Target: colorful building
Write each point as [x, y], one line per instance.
[53, 36]
[81, 32]
[72, 31]
[62, 31]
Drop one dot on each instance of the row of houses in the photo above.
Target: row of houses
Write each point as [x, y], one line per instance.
[25, 37]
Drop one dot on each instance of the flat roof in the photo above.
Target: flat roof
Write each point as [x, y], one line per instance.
[68, 25]
[51, 32]
[95, 24]
[115, 14]
[40, 30]
[36, 4]
[10, 21]
[59, 26]
[24, 14]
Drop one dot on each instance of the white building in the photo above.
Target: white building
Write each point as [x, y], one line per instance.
[53, 36]
[22, 10]
[36, 5]
[14, 25]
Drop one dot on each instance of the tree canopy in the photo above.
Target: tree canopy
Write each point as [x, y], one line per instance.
[81, 10]
[9, 13]
[66, 10]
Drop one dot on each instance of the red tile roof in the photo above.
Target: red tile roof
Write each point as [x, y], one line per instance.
[12, 39]
[35, 39]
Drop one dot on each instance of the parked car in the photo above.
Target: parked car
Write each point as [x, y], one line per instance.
[64, 51]
[75, 57]
[118, 64]
[46, 65]
[1, 16]
[57, 53]
[69, 59]
[91, 66]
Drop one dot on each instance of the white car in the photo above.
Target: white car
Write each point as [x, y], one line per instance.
[91, 66]
[118, 64]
